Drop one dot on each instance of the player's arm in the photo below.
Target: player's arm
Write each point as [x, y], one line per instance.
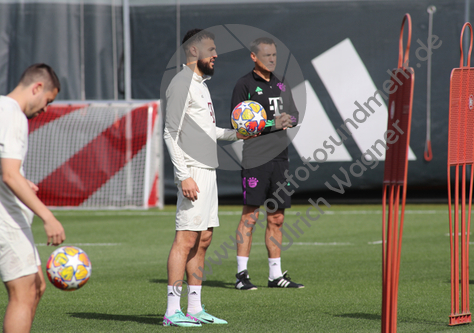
[24, 191]
[283, 121]
[33, 186]
[190, 189]
[287, 119]
[231, 134]
[176, 100]
[293, 111]
[279, 123]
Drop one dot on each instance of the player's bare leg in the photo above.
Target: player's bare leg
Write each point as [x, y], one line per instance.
[244, 244]
[244, 230]
[273, 230]
[40, 288]
[184, 248]
[193, 274]
[273, 241]
[184, 242]
[21, 301]
[195, 277]
[192, 266]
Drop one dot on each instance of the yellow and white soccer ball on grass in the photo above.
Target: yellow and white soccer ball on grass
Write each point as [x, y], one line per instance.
[68, 268]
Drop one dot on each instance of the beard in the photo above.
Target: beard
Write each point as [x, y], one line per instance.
[205, 68]
[34, 115]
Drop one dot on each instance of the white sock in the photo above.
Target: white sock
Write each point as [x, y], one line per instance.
[174, 297]
[242, 263]
[194, 299]
[275, 268]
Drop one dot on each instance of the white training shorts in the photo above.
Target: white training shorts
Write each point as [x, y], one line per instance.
[200, 214]
[18, 254]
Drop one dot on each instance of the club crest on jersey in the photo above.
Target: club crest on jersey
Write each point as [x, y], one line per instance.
[471, 102]
[259, 90]
[253, 182]
[281, 86]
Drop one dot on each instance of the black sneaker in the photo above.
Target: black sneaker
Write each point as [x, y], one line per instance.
[283, 282]
[243, 281]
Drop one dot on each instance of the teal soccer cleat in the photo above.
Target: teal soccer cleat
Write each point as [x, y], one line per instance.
[179, 319]
[205, 318]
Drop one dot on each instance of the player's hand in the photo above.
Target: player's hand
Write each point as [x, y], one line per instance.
[246, 137]
[54, 231]
[32, 186]
[190, 189]
[283, 121]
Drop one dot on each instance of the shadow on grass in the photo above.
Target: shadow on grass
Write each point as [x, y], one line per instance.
[370, 316]
[359, 315]
[207, 283]
[219, 284]
[152, 319]
[470, 281]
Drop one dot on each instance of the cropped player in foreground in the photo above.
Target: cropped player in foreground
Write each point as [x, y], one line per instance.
[264, 162]
[190, 135]
[20, 266]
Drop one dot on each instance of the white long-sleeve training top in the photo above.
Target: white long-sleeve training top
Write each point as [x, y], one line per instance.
[190, 126]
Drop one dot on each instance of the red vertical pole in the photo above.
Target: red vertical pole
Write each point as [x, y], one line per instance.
[456, 242]
[451, 234]
[468, 235]
[389, 260]
[384, 262]
[396, 166]
[395, 236]
[463, 237]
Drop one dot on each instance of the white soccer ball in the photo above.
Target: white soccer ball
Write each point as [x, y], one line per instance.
[249, 118]
[68, 268]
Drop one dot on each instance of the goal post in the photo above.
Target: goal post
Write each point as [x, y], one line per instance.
[97, 155]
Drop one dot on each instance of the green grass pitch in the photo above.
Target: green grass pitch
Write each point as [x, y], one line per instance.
[338, 259]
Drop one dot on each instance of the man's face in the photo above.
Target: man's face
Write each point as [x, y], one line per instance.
[207, 56]
[266, 57]
[39, 101]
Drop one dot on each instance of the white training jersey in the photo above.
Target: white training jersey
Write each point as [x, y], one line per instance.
[14, 145]
[190, 127]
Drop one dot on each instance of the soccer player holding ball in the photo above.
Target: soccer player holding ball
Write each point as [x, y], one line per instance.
[264, 161]
[20, 266]
[190, 135]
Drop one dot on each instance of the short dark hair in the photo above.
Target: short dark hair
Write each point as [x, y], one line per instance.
[261, 40]
[195, 36]
[40, 72]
